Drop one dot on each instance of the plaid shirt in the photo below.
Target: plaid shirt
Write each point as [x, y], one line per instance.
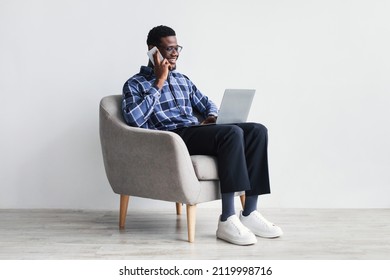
[143, 105]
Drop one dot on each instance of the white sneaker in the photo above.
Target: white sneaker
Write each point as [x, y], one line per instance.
[260, 226]
[233, 231]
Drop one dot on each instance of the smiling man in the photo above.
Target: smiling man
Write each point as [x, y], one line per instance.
[159, 97]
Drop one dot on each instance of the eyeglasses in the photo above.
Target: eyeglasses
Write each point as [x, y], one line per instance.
[171, 49]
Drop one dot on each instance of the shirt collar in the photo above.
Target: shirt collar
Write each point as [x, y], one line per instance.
[148, 71]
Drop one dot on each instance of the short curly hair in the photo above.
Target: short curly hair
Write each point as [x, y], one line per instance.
[158, 32]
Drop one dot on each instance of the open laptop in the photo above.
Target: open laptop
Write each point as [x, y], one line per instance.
[235, 106]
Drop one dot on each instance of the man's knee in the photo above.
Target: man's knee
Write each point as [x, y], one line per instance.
[236, 131]
[257, 128]
[231, 132]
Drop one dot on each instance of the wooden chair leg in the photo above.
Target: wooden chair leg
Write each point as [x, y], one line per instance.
[191, 220]
[123, 210]
[242, 198]
[178, 208]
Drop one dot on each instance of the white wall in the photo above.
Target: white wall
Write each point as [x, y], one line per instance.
[321, 70]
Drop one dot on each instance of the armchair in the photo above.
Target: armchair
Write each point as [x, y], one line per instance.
[153, 164]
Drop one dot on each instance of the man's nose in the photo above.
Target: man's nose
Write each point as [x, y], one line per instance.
[174, 52]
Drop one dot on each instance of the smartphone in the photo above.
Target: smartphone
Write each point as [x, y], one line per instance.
[152, 52]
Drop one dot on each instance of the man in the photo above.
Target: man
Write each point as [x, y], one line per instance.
[161, 98]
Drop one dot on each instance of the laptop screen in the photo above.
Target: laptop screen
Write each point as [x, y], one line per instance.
[235, 106]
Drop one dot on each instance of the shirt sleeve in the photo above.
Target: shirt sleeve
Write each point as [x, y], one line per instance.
[139, 98]
[201, 102]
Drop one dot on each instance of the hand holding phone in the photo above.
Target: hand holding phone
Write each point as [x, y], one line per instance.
[162, 69]
[151, 55]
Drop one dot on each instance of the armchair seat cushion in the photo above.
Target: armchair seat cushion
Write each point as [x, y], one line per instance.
[205, 167]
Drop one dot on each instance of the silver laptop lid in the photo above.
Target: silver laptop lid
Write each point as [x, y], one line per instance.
[235, 106]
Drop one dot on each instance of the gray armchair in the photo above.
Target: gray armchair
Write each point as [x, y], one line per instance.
[153, 164]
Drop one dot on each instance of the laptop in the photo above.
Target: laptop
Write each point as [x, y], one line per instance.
[235, 106]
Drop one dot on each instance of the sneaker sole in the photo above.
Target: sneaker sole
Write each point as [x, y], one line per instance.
[236, 242]
[267, 235]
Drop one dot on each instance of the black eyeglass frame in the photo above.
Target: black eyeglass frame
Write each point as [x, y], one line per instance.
[170, 49]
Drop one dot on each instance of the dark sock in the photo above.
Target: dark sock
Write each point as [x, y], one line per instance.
[250, 204]
[227, 206]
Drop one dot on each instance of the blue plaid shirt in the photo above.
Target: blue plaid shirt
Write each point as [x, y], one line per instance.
[144, 105]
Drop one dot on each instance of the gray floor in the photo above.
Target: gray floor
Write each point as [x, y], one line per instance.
[317, 234]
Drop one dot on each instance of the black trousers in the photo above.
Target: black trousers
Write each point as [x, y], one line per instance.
[241, 152]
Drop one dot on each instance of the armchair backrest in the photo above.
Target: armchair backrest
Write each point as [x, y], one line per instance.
[112, 105]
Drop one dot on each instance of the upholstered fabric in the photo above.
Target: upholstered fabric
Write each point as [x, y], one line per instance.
[205, 167]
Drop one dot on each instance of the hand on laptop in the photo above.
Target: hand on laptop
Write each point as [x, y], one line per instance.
[210, 119]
